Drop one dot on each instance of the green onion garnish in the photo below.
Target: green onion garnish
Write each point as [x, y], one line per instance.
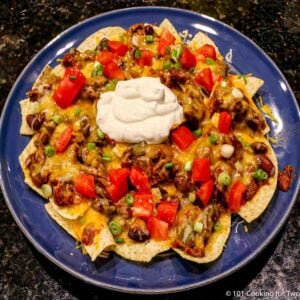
[49, 151]
[167, 65]
[111, 86]
[97, 69]
[169, 165]
[213, 138]
[91, 146]
[149, 39]
[77, 112]
[100, 134]
[129, 199]
[192, 197]
[197, 133]
[115, 227]
[137, 53]
[210, 61]
[224, 178]
[107, 157]
[119, 240]
[56, 119]
[260, 175]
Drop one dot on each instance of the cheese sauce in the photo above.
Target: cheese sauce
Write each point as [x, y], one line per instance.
[141, 109]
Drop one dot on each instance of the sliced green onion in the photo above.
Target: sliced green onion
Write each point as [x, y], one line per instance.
[56, 119]
[188, 166]
[149, 39]
[224, 178]
[177, 65]
[213, 138]
[169, 165]
[111, 86]
[175, 54]
[49, 151]
[198, 227]
[100, 134]
[198, 132]
[72, 77]
[129, 199]
[244, 77]
[91, 146]
[119, 240]
[107, 157]
[210, 61]
[46, 190]
[217, 226]
[138, 150]
[77, 112]
[244, 143]
[97, 69]
[167, 65]
[192, 197]
[115, 227]
[121, 38]
[260, 175]
[137, 53]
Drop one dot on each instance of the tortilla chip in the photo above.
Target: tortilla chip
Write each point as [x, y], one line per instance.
[252, 209]
[71, 212]
[142, 252]
[216, 242]
[26, 109]
[168, 25]
[111, 33]
[102, 241]
[201, 39]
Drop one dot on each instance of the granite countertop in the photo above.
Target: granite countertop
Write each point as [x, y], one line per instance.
[26, 26]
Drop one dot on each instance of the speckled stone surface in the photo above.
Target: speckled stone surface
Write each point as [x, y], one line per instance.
[24, 30]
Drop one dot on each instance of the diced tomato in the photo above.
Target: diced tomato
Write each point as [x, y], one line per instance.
[167, 211]
[143, 205]
[225, 120]
[116, 192]
[182, 137]
[145, 59]
[85, 185]
[204, 193]
[69, 87]
[166, 39]
[201, 169]
[117, 47]
[117, 176]
[158, 229]
[106, 57]
[63, 141]
[236, 195]
[139, 179]
[204, 78]
[188, 59]
[206, 51]
[112, 71]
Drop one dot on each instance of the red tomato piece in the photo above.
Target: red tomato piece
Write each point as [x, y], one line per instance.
[106, 57]
[69, 88]
[85, 185]
[236, 195]
[188, 59]
[158, 229]
[142, 206]
[225, 120]
[204, 193]
[145, 59]
[116, 192]
[182, 137]
[117, 176]
[165, 40]
[207, 51]
[204, 78]
[167, 210]
[63, 141]
[117, 47]
[201, 169]
[112, 71]
[139, 179]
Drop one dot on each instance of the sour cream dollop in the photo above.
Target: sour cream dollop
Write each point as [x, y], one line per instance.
[141, 109]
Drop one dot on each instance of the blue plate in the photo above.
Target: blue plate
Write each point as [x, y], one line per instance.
[172, 273]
